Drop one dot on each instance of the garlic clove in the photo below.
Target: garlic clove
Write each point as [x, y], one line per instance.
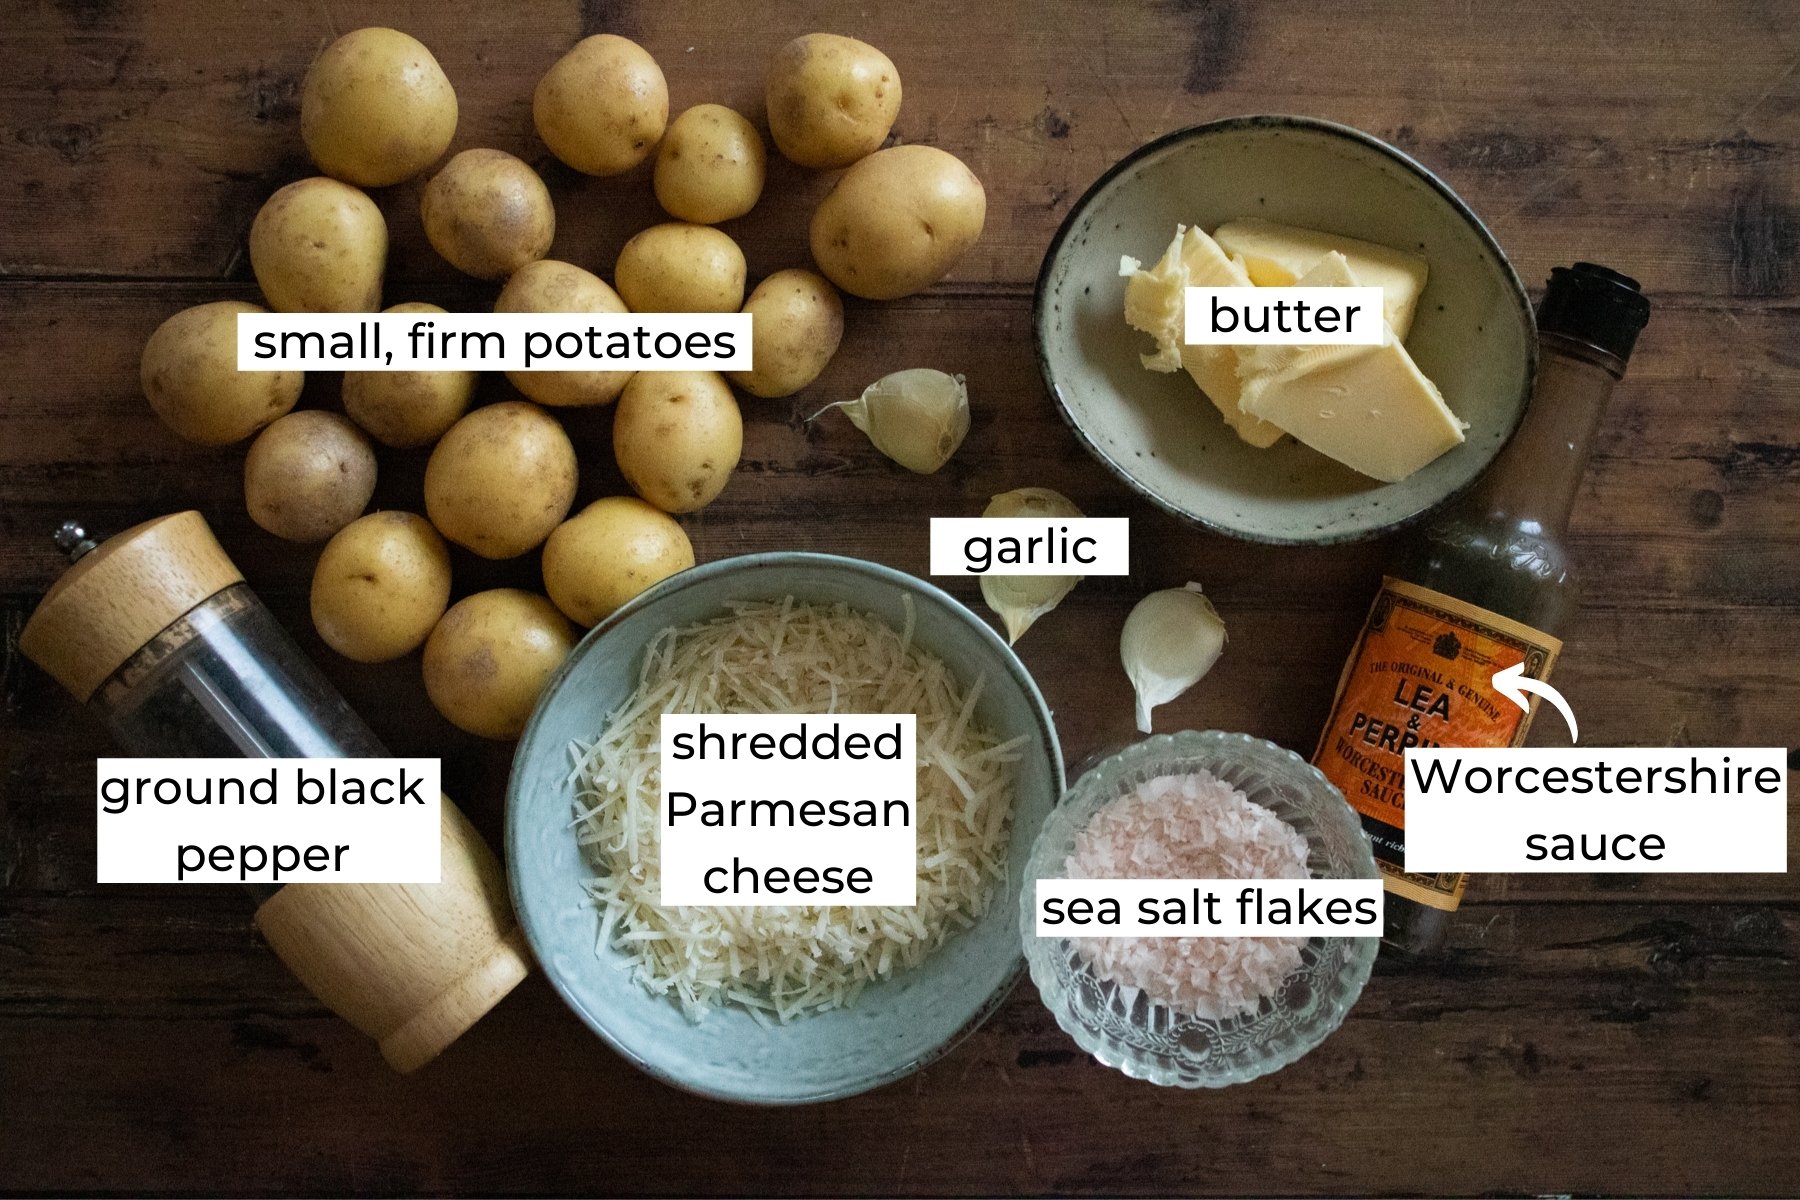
[917, 417]
[1170, 641]
[1019, 600]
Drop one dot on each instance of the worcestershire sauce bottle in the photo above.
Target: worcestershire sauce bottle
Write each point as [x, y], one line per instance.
[1487, 585]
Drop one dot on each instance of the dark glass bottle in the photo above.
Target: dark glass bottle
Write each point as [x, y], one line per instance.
[1486, 584]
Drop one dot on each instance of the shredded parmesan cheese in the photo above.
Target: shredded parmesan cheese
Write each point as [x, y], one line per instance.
[1191, 827]
[787, 960]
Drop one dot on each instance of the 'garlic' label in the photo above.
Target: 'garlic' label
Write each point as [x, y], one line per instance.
[1030, 546]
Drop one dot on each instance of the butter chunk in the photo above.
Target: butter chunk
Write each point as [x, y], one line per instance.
[1155, 304]
[1373, 411]
[1278, 255]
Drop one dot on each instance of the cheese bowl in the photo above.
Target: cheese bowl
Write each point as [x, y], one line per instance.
[1473, 334]
[896, 1025]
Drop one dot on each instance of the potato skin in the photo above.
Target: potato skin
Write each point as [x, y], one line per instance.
[189, 374]
[549, 286]
[679, 267]
[602, 107]
[380, 585]
[831, 100]
[488, 659]
[376, 108]
[897, 222]
[676, 436]
[488, 214]
[319, 245]
[798, 321]
[404, 409]
[609, 552]
[711, 165]
[308, 475]
[501, 479]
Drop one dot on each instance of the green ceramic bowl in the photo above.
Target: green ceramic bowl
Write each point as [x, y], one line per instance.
[1473, 335]
[896, 1026]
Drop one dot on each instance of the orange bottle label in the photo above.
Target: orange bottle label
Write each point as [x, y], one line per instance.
[1421, 675]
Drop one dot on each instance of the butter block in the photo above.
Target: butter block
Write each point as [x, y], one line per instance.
[1278, 255]
[1155, 304]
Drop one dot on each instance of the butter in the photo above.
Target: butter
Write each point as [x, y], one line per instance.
[1369, 407]
[1278, 255]
[1155, 304]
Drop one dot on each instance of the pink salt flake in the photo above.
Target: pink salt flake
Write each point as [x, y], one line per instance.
[1191, 827]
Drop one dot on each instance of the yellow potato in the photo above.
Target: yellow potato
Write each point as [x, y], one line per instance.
[609, 552]
[710, 167]
[408, 408]
[602, 107]
[319, 246]
[488, 214]
[501, 479]
[677, 267]
[831, 99]
[548, 286]
[380, 586]
[376, 108]
[189, 374]
[797, 323]
[677, 435]
[897, 222]
[489, 658]
[308, 475]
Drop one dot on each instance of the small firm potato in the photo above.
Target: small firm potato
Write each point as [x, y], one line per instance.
[897, 222]
[677, 267]
[488, 214]
[501, 479]
[308, 475]
[677, 436]
[603, 106]
[380, 586]
[831, 99]
[548, 286]
[490, 657]
[408, 408]
[376, 108]
[189, 374]
[609, 552]
[318, 245]
[710, 167]
[798, 321]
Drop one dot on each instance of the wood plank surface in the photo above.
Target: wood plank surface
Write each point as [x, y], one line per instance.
[1584, 1034]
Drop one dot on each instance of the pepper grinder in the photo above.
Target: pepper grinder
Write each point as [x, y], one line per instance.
[157, 630]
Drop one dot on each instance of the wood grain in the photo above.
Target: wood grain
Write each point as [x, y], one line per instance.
[1584, 1034]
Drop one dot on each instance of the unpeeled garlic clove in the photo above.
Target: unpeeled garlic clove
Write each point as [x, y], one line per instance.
[916, 417]
[1020, 600]
[1170, 641]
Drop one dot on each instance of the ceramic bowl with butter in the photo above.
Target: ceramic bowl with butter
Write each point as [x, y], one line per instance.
[896, 1025]
[1471, 333]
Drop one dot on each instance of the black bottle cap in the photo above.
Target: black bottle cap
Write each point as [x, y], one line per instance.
[1596, 305]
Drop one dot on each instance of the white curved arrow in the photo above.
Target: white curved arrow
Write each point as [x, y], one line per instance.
[1513, 683]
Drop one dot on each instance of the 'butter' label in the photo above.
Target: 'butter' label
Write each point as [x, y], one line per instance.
[1422, 676]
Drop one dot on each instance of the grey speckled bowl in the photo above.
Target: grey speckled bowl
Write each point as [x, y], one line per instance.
[896, 1026]
[1474, 335]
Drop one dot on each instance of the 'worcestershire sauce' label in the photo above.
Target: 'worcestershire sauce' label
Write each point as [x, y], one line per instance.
[1421, 675]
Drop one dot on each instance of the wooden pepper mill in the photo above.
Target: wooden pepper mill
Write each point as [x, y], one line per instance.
[157, 630]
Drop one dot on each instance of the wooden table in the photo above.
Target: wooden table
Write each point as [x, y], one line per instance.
[1582, 1034]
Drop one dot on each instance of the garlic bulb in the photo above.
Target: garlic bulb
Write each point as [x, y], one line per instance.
[1170, 641]
[1021, 599]
[917, 417]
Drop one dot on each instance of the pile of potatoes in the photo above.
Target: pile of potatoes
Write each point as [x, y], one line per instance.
[377, 110]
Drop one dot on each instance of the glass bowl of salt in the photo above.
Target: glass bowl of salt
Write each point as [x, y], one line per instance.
[1199, 1011]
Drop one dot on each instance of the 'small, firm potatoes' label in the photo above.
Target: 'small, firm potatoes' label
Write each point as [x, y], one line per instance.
[1421, 675]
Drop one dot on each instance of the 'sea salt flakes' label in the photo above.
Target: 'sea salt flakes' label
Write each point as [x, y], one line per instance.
[1422, 676]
